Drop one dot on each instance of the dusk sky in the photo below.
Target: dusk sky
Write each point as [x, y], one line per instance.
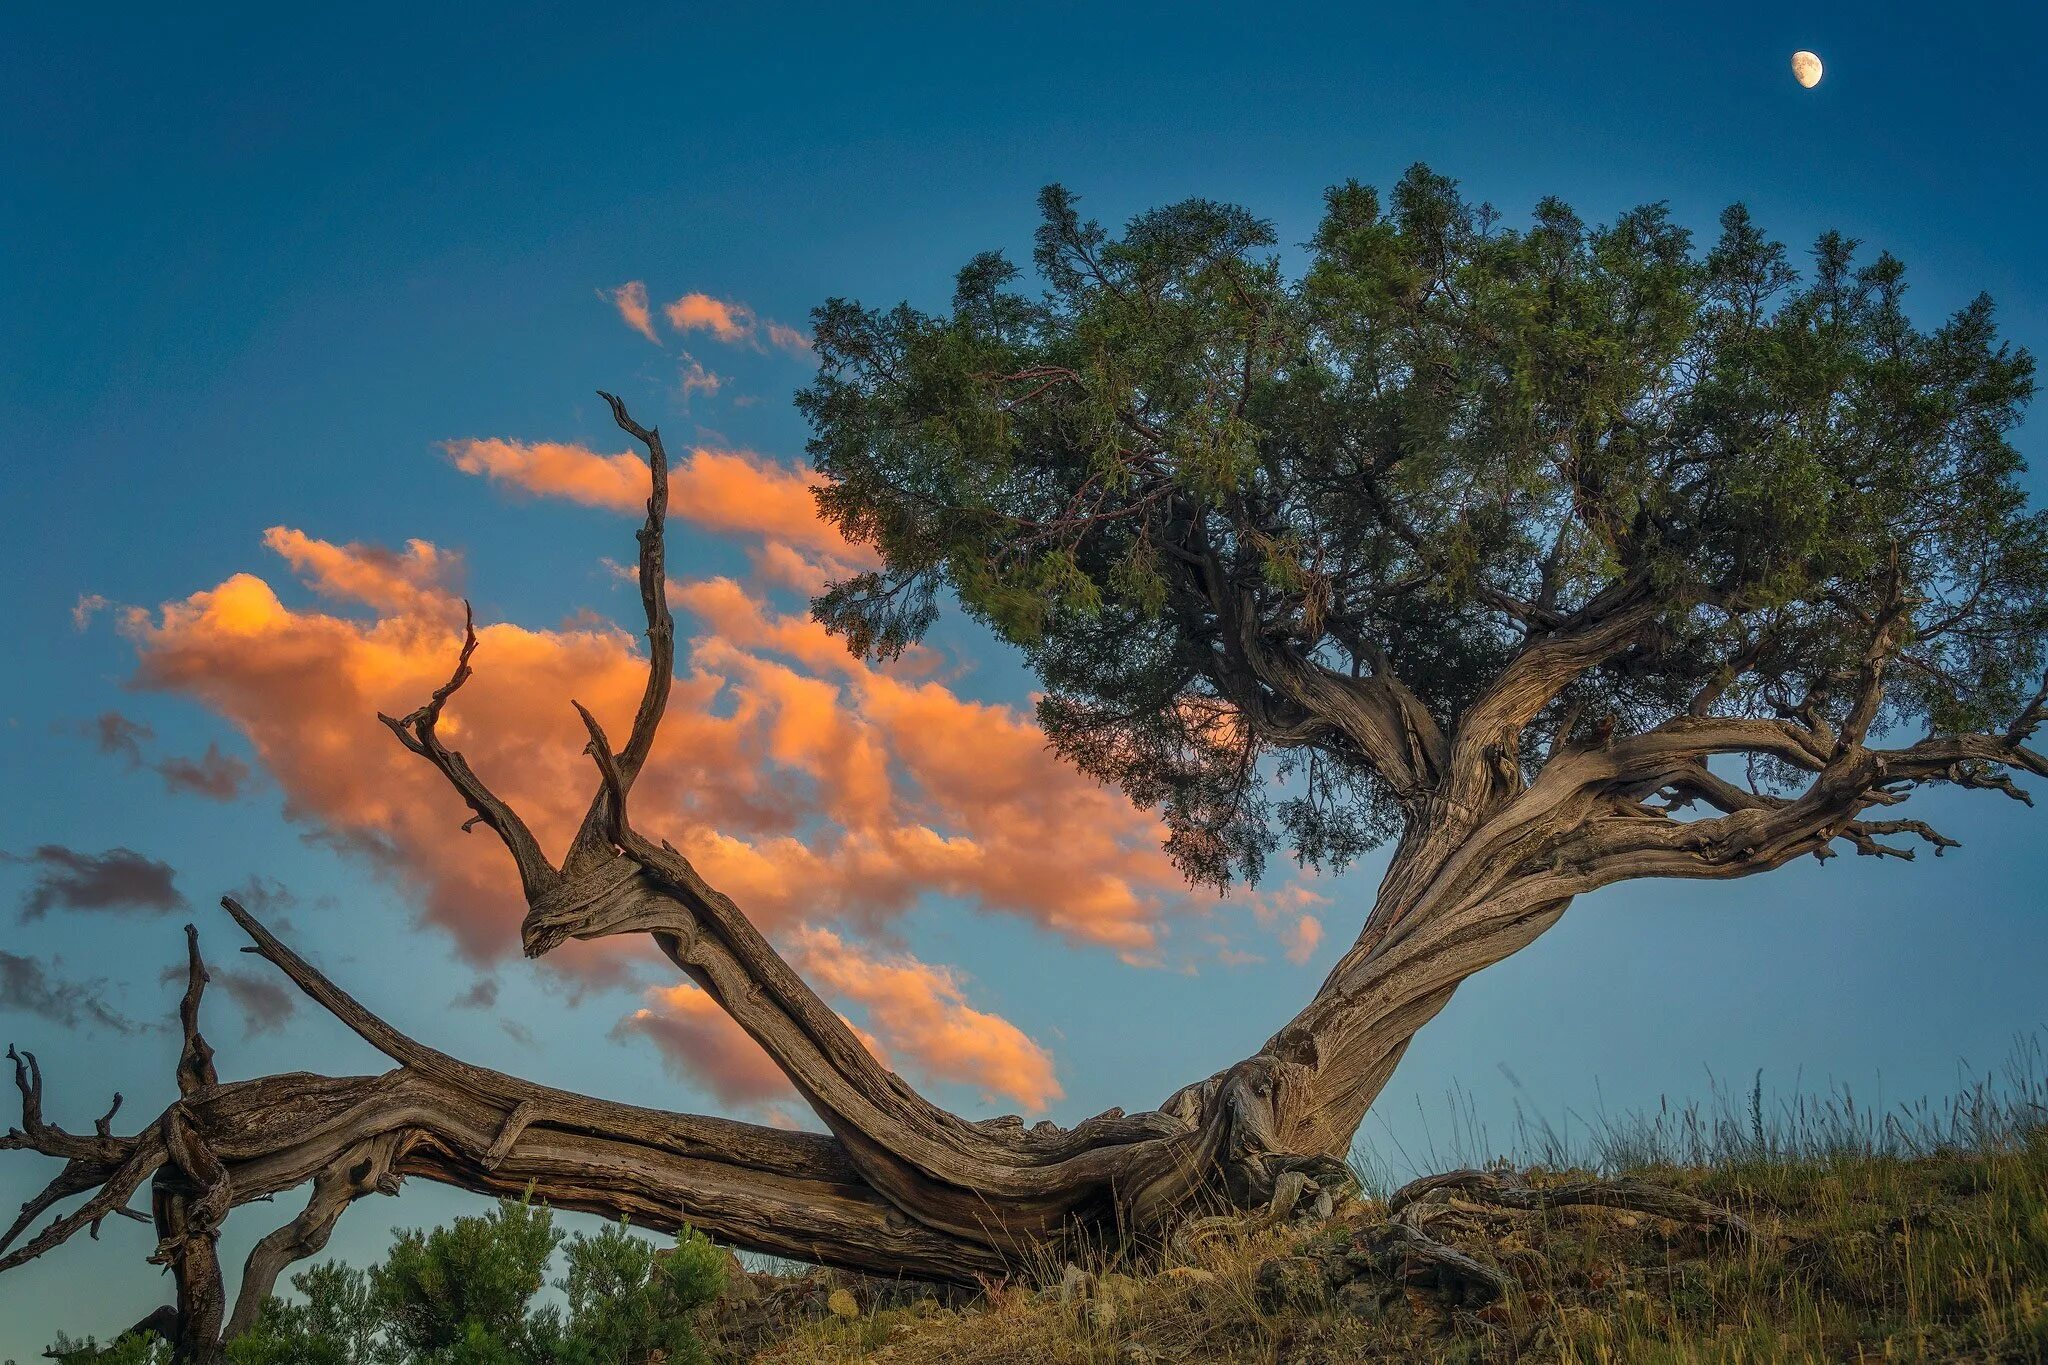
[301, 321]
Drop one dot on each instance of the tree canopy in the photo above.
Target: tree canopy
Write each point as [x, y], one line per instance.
[1217, 506]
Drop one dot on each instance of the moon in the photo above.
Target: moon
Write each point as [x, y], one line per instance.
[1806, 69]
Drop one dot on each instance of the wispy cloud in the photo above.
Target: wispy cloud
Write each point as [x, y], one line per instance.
[119, 880]
[85, 608]
[214, 775]
[28, 988]
[919, 1012]
[482, 995]
[630, 299]
[735, 324]
[701, 1044]
[263, 1002]
[695, 379]
[732, 492]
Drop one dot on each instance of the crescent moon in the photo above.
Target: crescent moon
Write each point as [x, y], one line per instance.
[1806, 69]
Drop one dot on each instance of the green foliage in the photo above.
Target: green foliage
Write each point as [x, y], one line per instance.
[459, 1293]
[626, 1299]
[133, 1348]
[463, 1295]
[1170, 463]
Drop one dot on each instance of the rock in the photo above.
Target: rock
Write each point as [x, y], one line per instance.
[1285, 1282]
[1075, 1284]
[737, 1286]
[840, 1303]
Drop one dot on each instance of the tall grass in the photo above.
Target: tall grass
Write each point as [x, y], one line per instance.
[1730, 1128]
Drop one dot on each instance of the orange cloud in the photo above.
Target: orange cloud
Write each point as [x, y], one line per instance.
[1301, 938]
[731, 492]
[1287, 912]
[729, 322]
[917, 1011]
[630, 299]
[414, 583]
[733, 323]
[920, 1011]
[826, 794]
[555, 469]
[699, 1042]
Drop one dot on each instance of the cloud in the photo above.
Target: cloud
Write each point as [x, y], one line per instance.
[481, 996]
[1301, 938]
[630, 299]
[413, 582]
[214, 775]
[828, 795]
[788, 339]
[85, 608]
[916, 1014]
[696, 379]
[25, 987]
[265, 896]
[725, 491]
[555, 469]
[919, 1012]
[519, 1033]
[732, 323]
[1286, 911]
[700, 1043]
[118, 880]
[116, 734]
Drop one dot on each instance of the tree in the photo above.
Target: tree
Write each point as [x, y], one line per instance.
[1557, 557]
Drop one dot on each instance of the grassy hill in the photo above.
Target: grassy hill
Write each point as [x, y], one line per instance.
[1821, 1234]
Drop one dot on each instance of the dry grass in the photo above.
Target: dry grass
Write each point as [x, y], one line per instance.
[1900, 1238]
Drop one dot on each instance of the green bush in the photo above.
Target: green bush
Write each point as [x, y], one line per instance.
[463, 1295]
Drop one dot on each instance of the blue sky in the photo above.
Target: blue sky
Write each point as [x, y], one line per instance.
[261, 265]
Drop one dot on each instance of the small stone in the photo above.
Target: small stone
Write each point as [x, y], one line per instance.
[841, 1304]
[1075, 1284]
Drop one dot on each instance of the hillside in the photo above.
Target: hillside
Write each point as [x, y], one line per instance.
[1851, 1257]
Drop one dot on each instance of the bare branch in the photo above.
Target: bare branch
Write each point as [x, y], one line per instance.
[195, 1062]
[363, 1169]
[416, 731]
[661, 633]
